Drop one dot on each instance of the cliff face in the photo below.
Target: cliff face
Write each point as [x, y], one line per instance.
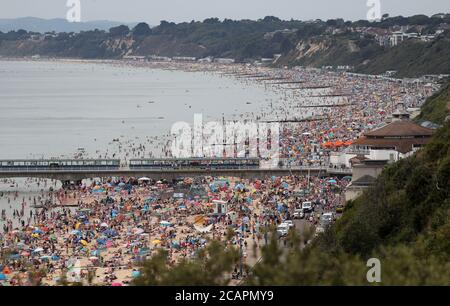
[312, 49]
[318, 52]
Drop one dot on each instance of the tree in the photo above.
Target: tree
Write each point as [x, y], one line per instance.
[121, 30]
[142, 29]
[211, 267]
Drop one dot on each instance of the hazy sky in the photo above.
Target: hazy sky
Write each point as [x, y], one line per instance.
[153, 11]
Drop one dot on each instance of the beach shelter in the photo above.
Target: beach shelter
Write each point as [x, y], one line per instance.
[339, 143]
[348, 143]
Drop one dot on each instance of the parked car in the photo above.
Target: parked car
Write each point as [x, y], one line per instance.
[326, 219]
[282, 230]
[289, 223]
[307, 207]
[299, 214]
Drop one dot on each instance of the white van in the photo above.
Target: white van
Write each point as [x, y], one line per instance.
[307, 207]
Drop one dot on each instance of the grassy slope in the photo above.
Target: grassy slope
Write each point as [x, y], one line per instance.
[409, 204]
[436, 108]
[412, 59]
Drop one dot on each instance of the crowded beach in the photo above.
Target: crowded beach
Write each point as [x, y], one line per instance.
[100, 232]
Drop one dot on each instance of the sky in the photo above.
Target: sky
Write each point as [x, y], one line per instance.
[153, 11]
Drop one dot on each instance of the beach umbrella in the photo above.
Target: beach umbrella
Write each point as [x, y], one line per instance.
[93, 258]
[101, 240]
[156, 241]
[116, 284]
[332, 181]
[138, 231]
[348, 178]
[45, 257]
[55, 257]
[135, 274]
[15, 256]
[75, 232]
[25, 254]
[84, 242]
[165, 223]
[110, 233]
[2, 276]
[37, 250]
[104, 224]
[121, 184]
[144, 179]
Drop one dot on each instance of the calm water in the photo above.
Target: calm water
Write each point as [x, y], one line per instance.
[49, 109]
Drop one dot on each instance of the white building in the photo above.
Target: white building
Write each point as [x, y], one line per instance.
[224, 60]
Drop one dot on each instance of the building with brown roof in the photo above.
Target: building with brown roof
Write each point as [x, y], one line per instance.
[390, 143]
[394, 141]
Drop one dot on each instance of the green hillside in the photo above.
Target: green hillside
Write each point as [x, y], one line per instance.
[314, 43]
[437, 107]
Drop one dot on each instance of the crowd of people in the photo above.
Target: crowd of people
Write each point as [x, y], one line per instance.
[102, 231]
[116, 224]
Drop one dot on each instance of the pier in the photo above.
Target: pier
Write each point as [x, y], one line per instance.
[77, 175]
